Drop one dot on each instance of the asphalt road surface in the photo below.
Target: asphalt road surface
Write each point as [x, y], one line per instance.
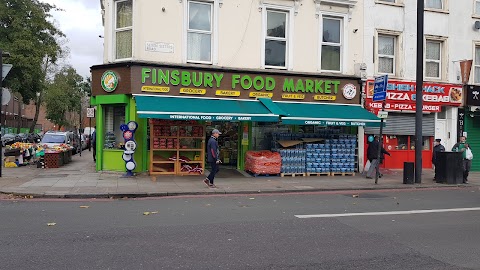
[247, 232]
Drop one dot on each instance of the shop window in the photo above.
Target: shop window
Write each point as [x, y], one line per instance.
[477, 7]
[386, 54]
[123, 29]
[199, 32]
[477, 64]
[276, 38]
[442, 114]
[331, 56]
[114, 117]
[434, 4]
[433, 59]
[402, 143]
[425, 143]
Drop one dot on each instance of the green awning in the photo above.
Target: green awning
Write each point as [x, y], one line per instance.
[203, 109]
[326, 114]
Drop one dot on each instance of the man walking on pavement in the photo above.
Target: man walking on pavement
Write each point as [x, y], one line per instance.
[372, 156]
[93, 140]
[462, 147]
[436, 149]
[213, 157]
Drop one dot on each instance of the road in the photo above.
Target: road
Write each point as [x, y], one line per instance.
[246, 232]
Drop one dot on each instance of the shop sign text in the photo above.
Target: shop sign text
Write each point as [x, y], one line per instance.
[401, 96]
[260, 86]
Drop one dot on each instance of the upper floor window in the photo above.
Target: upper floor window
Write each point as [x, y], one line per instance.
[433, 59]
[123, 29]
[199, 32]
[386, 54]
[477, 65]
[477, 7]
[434, 4]
[331, 56]
[276, 38]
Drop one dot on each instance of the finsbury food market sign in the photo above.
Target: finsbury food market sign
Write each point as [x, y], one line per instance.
[226, 84]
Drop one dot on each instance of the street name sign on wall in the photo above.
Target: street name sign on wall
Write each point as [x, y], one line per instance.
[380, 88]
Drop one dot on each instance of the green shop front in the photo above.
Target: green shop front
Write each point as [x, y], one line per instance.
[177, 106]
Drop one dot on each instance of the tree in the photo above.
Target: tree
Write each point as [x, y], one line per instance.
[64, 95]
[32, 40]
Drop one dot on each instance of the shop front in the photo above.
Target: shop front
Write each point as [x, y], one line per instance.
[439, 100]
[469, 122]
[177, 106]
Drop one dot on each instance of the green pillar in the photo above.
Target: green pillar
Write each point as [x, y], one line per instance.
[99, 133]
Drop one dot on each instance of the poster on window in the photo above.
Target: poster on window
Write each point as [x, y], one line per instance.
[401, 96]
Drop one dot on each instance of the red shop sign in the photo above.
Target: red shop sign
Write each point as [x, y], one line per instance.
[401, 96]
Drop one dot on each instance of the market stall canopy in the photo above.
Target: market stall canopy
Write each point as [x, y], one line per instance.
[296, 113]
[203, 109]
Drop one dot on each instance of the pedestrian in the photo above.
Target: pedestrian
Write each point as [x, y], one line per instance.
[372, 156]
[436, 149]
[93, 140]
[463, 147]
[213, 157]
[467, 162]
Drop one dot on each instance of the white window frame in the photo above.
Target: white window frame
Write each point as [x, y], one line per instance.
[431, 8]
[343, 40]
[214, 32]
[288, 34]
[475, 64]
[395, 53]
[115, 30]
[440, 62]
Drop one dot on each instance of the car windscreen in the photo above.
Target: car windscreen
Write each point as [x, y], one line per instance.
[53, 138]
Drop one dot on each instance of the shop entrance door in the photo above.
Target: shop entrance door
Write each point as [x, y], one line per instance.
[228, 142]
[441, 131]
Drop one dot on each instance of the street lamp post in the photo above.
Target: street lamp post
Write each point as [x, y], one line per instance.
[419, 93]
[2, 54]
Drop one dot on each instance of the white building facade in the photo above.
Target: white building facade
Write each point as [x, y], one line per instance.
[390, 29]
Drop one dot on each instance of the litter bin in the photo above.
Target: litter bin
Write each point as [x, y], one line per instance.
[408, 173]
[450, 168]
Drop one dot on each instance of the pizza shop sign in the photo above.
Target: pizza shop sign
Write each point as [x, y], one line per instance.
[401, 96]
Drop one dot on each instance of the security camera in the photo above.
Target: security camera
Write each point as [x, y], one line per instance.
[355, 30]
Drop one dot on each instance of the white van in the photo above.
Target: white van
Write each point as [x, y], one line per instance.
[88, 130]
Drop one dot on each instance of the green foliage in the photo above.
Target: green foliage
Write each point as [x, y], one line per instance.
[64, 95]
[32, 40]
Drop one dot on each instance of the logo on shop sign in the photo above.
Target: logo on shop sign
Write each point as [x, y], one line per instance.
[109, 81]
[349, 91]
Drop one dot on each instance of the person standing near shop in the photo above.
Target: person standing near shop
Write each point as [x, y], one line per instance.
[461, 146]
[372, 156]
[93, 140]
[436, 149]
[213, 157]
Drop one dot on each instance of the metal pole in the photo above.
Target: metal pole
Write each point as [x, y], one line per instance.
[1, 104]
[90, 131]
[419, 93]
[380, 145]
[80, 128]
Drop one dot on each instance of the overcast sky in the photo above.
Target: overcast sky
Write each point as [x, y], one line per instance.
[81, 22]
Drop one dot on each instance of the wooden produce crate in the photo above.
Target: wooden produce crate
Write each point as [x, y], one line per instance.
[54, 160]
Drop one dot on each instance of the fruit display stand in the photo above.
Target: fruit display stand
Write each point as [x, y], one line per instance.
[176, 147]
[19, 154]
[58, 156]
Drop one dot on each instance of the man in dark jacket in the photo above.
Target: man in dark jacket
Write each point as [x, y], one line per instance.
[372, 154]
[213, 157]
[436, 149]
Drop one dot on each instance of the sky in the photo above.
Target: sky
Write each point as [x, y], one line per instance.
[81, 22]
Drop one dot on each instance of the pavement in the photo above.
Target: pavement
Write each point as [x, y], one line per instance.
[80, 180]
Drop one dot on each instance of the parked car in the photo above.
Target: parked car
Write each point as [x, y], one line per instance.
[8, 139]
[84, 142]
[88, 131]
[52, 139]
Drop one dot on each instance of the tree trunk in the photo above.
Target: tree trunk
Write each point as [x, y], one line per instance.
[37, 112]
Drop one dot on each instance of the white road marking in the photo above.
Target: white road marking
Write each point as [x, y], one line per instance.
[409, 212]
